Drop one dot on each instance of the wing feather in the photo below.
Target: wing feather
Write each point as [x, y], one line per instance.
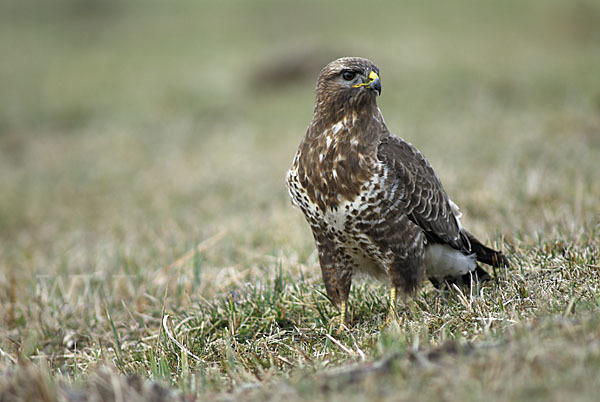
[425, 201]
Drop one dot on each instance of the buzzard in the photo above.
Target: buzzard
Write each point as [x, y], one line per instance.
[374, 203]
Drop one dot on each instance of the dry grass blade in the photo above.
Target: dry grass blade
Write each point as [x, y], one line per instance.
[185, 350]
[6, 355]
[340, 345]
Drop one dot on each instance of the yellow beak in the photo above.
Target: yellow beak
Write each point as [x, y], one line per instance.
[373, 82]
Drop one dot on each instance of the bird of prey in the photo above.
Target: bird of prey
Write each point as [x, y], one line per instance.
[373, 202]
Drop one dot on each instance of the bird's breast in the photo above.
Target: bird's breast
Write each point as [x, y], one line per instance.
[335, 166]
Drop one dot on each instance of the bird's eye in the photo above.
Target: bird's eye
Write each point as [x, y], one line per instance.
[348, 75]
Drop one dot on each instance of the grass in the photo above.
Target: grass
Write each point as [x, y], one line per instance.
[148, 247]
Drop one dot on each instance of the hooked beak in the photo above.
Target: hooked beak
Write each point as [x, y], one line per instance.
[373, 83]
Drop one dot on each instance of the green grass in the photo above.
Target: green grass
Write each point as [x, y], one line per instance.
[148, 246]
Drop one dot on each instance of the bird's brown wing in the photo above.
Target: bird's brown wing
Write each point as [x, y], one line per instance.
[420, 193]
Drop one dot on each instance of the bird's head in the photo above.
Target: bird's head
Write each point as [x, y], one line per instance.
[349, 80]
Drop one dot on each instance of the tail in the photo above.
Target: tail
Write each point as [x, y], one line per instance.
[483, 254]
[477, 275]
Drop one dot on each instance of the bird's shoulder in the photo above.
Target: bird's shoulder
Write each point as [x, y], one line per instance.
[403, 157]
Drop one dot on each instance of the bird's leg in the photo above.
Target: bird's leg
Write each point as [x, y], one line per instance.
[392, 313]
[342, 316]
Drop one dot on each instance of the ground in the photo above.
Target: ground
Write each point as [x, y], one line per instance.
[148, 246]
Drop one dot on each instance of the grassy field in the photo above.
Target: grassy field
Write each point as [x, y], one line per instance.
[148, 248]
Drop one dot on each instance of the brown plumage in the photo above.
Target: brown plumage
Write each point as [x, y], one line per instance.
[374, 203]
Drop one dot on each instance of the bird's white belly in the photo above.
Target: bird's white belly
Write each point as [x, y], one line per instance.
[442, 261]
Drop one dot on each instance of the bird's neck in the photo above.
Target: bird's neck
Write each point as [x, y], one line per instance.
[333, 110]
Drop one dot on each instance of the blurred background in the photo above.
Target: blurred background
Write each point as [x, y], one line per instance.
[132, 130]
